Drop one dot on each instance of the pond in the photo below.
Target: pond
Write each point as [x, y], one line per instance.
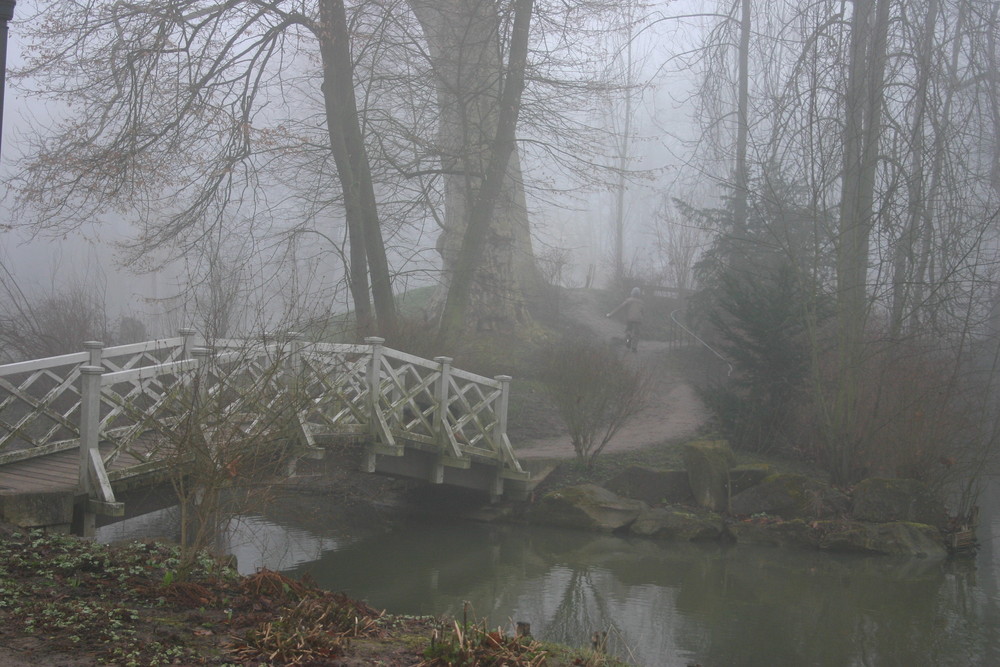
[660, 603]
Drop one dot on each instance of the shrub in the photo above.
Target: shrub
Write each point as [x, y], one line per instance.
[596, 392]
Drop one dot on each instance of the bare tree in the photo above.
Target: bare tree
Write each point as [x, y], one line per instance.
[172, 122]
[34, 326]
[873, 122]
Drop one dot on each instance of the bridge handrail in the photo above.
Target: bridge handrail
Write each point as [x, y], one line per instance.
[673, 316]
[148, 372]
[74, 358]
[145, 346]
[79, 358]
[473, 377]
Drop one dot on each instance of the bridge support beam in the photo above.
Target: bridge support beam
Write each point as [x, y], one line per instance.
[430, 466]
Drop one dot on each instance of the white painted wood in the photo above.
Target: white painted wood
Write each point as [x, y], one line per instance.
[76, 359]
[396, 398]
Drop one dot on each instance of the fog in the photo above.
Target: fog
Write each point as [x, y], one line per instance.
[574, 224]
[818, 185]
[201, 220]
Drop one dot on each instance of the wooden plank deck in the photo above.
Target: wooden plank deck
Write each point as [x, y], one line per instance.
[60, 471]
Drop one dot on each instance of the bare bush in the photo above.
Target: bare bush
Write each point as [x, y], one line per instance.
[231, 438]
[914, 417]
[56, 323]
[596, 392]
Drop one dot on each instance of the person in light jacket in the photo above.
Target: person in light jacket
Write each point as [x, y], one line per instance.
[632, 306]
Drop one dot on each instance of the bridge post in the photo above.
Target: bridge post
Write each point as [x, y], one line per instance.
[203, 355]
[294, 368]
[94, 348]
[500, 436]
[441, 396]
[502, 403]
[90, 421]
[441, 416]
[374, 379]
[188, 335]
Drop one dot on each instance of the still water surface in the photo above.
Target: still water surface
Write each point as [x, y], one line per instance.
[661, 603]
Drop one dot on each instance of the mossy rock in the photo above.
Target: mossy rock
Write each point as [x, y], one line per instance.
[885, 500]
[680, 524]
[743, 477]
[652, 485]
[795, 533]
[790, 496]
[708, 463]
[586, 506]
[899, 538]
[912, 540]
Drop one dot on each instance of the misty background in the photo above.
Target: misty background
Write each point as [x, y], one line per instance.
[283, 267]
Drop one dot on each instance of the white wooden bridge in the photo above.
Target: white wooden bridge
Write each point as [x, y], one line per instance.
[75, 428]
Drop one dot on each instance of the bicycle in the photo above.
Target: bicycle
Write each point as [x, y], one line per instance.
[632, 336]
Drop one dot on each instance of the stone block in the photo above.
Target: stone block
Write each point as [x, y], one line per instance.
[886, 500]
[651, 485]
[708, 463]
[37, 510]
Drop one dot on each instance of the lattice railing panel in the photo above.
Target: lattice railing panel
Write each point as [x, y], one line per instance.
[407, 398]
[40, 399]
[334, 380]
[473, 416]
[134, 403]
[39, 404]
[153, 387]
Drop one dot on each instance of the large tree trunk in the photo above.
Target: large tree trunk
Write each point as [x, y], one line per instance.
[465, 54]
[862, 130]
[741, 194]
[347, 145]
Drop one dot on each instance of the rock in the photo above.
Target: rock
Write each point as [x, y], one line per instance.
[651, 485]
[708, 463]
[891, 539]
[795, 533]
[52, 510]
[743, 477]
[790, 496]
[678, 523]
[885, 500]
[586, 506]
[899, 538]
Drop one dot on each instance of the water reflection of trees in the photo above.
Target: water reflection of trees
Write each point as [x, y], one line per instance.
[677, 603]
[583, 610]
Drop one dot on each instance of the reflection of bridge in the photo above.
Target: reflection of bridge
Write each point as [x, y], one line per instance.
[78, 427]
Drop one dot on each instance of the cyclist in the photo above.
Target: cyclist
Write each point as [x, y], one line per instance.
[633, 318]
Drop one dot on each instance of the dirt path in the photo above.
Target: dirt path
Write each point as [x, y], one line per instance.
[673, 409]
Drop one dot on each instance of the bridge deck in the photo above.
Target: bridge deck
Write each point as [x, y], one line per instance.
[60, 471]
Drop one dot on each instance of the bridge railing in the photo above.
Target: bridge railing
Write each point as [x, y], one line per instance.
[463, 414]
[118, 395]
[40, 398]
